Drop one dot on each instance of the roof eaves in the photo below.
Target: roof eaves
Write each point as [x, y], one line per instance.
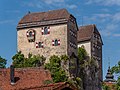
[35, 24]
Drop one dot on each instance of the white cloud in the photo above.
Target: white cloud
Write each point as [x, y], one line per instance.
[73, 6]
[108, 23]
[111, 27]
[116, 17]
[103, 15]
[53, 1]
[50, 4]
[6, 21]
[105, 33]
[116, 35]
[13, 11]
[104, 2]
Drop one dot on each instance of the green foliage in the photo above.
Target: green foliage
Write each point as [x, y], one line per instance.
[86, 64]
[82, 53]
[116, 69]
[105, 87]
[2, 62]
[18, 59]
[57, 73]
[32, 61]
[65, 58]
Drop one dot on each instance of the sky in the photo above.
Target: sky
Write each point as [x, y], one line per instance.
[104, 13]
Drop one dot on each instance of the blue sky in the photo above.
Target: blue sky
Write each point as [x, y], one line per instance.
[104, 13]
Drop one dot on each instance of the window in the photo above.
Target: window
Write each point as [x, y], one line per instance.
[73, 45]
[31, 35]
[45, 30]
[55, 42]
[39, 44]
[72, 33]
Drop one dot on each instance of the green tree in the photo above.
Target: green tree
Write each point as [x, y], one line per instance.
[57, 73]
[82, 54]
[86, 64]
[2, 62]
[116, 70]
[105, 87]
[20, 61]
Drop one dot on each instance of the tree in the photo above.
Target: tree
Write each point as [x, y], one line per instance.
[116, 70]
[2, 62]
[82, 54]
[87, 67]
[57, 73]
[20, 61]
[105, 87]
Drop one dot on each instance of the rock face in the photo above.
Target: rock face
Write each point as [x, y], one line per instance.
[47, 33]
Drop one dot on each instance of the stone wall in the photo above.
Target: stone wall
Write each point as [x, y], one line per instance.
[56, 32]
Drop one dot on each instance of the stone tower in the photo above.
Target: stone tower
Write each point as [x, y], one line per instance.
[109, 77]
[90, 38]
[47, 33]
[110, 81]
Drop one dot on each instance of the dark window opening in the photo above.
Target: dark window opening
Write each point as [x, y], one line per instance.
[56, 42]
[30, 34]
[45, 30]
[40, 44]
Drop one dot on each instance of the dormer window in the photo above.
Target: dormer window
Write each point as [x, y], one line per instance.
[45, 30]
[31, 35]
[56, 42]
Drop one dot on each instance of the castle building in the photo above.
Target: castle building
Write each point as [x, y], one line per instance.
[56, 33]
[90, 38]
[47, 33]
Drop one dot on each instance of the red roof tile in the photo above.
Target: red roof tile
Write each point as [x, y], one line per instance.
[30, 79]
[45, 16]
[24, 77]
[85, 32]
[55, 86]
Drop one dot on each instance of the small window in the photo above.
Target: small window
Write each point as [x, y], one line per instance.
[45, 30]
[30, 34]
[56, 42]
[39, 44]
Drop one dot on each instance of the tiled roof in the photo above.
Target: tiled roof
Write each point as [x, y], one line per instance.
[85, 32]
[55, 86]
[41, 18]
[31, 79]
[24, 78]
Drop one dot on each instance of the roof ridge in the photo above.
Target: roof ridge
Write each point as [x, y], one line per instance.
[48, 11]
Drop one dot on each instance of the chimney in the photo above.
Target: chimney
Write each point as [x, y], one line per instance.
[12, 81]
